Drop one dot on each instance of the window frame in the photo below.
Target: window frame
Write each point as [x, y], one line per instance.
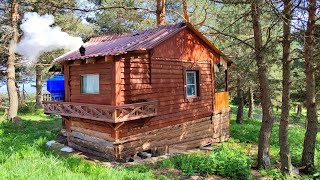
[81, 84]
[195, 83]
[198, 84]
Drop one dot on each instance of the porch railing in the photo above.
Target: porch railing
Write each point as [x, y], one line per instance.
[113, 114]
[221, 101]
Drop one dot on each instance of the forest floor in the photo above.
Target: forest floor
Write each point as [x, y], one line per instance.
[24, 154]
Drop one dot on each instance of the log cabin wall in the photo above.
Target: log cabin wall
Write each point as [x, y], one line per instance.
[92, 137]
[89, 136]
[100, 67]
[185, 46]
[158, 74]
[162, 77]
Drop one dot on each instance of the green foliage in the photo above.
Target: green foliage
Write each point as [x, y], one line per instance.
[274, 173]
[192, 164]
[24, 155]
[28, 107]
[225, 161]
[139, 168]
[121, 20]
[248, 133]
[231, 162]
[29, 112]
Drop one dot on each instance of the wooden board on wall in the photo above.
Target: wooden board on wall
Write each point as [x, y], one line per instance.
[166, 85]
[105, 83]
[191, 134]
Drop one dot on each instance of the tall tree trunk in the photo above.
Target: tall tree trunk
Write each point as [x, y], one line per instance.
[299, 109]
[286, 166]
[312, 119]
[240, 100]
[39, 96]
[161, 12]
[251, 103]
[267, 115]
[185, 10]
[11, 72]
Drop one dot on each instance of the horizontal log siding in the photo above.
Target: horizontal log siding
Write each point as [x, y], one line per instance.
[186, 135]
[96, 127]
[104, 71]
[185, 46]
[91, 137]
[163, 80]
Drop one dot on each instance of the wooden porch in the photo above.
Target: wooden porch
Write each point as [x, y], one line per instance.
[112, 114]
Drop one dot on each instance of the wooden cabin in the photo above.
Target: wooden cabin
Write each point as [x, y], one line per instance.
[152, 90]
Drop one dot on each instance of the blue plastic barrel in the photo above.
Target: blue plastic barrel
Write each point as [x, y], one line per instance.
[55, 86]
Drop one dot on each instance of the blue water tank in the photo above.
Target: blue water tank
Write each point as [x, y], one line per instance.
[55, 86]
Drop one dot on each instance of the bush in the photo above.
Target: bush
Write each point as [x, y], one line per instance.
[193, 163]
[272, 173]
[225, 161]
[28, 107]
[231, 162]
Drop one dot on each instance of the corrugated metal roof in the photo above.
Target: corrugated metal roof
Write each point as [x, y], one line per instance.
[121, 44]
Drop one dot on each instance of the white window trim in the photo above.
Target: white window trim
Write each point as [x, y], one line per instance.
[195, 84]
[81, 91]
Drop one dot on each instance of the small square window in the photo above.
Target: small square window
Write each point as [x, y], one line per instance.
[89, 84]
[191, 84]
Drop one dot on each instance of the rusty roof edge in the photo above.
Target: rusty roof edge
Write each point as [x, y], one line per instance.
[166, 38]
[183, 26]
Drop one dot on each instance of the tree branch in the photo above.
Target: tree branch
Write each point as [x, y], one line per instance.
[231, 36]
[234, 2]
[204, 19]
[106, 8]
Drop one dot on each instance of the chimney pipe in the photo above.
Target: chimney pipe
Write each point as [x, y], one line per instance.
[82, 50]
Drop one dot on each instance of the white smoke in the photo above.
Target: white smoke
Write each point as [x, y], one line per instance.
[39, 37]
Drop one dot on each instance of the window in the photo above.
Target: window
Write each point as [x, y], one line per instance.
[191, 84]
[89, 84]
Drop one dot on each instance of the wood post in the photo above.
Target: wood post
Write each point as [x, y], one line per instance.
[159, 151]
[226, 79]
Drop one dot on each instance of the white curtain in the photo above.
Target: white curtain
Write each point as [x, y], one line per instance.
[90, 84]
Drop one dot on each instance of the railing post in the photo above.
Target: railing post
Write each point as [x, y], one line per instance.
[114, 115]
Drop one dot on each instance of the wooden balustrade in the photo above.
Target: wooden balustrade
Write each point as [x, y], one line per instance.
[113, 114]
[46, 97]
[221, 101]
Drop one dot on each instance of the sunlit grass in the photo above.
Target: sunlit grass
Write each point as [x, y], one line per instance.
[248, 132]
[24, 155]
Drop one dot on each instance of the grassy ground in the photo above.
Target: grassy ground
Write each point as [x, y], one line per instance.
[246, 135]
[24, 155]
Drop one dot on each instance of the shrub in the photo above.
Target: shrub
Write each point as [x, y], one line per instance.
[231, 162]
[193, 163]
[28, 107]
[272, 174]
[225, 161]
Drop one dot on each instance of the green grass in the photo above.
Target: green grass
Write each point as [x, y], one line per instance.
[226, 161]
[248, 133]
[24, 155]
